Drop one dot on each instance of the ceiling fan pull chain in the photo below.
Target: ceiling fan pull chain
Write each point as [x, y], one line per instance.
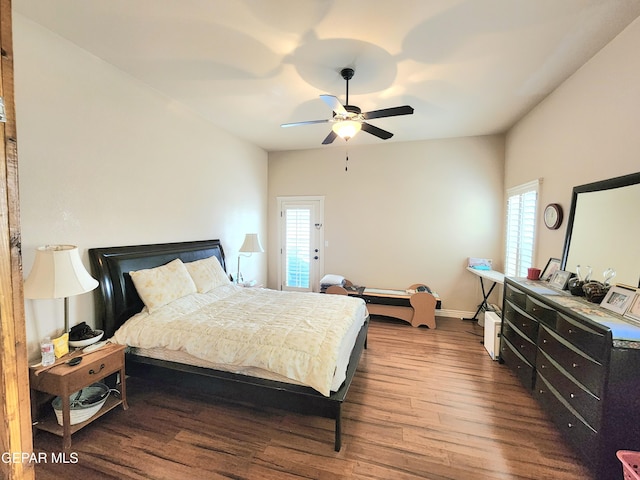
[346, 162]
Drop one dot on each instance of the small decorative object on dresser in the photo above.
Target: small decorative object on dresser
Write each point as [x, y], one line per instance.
[559, 279]
[618, 299]
[634, 308]
[553, 265]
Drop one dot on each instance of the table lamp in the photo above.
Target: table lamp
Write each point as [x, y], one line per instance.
[58, 272]
[250, 245]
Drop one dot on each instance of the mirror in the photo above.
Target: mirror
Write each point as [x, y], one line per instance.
[603, 229]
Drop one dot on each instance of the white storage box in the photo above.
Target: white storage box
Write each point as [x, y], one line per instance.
[492, 324]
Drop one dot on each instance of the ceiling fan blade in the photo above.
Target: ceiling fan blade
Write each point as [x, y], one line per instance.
[334, 104]
[330, 138]
[378, 132]
[388, 112]
[309, 122]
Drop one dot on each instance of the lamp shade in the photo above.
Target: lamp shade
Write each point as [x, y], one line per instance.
[58, 272]
[251, 244]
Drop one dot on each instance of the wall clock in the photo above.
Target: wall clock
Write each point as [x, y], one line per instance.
[553, 216]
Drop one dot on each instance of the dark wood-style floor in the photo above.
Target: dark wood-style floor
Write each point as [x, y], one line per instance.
[424, 404]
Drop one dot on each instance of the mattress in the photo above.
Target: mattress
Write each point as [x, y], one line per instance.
[298, 338]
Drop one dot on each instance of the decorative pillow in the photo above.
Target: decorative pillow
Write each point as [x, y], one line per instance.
[207, 274]
[161, 285]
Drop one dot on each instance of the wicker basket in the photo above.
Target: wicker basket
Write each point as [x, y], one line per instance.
[630, 464]
[85, 403]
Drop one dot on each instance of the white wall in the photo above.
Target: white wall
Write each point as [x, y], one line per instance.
[104, 160]
[403, 213]
[586, 130]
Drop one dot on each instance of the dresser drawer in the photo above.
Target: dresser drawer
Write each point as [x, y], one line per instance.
[591, 341]
[582, 401]
[576, 363]
[515, 296]
[517, 363]
[541, 312]
[525, 324]
[581, 436]
[522, 344]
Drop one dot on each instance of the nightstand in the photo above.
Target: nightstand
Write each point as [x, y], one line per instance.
[62, 379]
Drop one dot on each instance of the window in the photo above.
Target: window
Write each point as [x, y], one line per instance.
[522, 206]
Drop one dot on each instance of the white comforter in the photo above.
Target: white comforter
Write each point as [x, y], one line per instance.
[295, 335]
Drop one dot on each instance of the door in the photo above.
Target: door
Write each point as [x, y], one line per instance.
[301, 239]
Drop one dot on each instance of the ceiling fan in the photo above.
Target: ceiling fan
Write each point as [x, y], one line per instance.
[348, 119]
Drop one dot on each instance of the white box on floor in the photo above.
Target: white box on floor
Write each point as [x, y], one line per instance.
[492, 324]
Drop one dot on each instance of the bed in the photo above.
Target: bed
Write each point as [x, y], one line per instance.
[119, 304]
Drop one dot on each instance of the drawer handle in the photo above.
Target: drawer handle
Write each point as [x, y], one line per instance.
[570, 331]
[570, 425]
[572, 395]
[543, 366]
[93, 372]
[575, 365]
[541, 391]
[544, 341]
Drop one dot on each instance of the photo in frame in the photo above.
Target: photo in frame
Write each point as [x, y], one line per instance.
[633, 312]
[553, 265]
[618, 299]
[559, 279]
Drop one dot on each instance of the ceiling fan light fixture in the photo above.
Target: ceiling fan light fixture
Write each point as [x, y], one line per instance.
[347, 128]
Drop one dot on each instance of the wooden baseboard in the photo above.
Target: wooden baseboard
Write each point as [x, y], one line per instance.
[453, 313]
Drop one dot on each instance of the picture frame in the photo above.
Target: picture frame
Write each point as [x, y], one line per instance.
[559, 279]
[618, 299]
[633, 312]
[553, 265]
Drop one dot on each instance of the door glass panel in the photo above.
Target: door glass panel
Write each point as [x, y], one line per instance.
[298, 247]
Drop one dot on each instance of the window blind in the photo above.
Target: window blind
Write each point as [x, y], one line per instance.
[522, 205]
[298, 244]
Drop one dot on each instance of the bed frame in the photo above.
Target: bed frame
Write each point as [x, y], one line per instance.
[116, 300]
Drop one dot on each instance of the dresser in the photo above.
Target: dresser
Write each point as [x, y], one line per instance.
[582, 364]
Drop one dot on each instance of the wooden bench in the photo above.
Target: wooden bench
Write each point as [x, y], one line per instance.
[417, 308]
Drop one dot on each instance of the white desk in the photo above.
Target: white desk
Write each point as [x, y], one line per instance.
[496, 277]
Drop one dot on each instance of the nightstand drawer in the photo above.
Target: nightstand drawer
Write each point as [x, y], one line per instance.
[88, 372]
[93, 367]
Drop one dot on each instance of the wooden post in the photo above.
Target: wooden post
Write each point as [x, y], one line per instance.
[15, 405]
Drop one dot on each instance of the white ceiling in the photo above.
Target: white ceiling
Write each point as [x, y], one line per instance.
[467, 67]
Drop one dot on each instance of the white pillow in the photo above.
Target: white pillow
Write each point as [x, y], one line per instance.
[207, 274]
[161, 285]
[331, 279]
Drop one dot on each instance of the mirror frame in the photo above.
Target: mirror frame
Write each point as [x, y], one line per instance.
[608, 184]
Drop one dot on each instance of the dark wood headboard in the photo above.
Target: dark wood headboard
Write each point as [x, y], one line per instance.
[116, 299]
